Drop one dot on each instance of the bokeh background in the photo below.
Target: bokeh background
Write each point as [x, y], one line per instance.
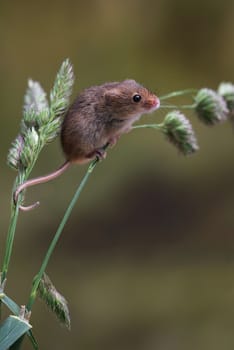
[147, 258]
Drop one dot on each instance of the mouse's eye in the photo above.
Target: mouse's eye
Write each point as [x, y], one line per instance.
[136, 98]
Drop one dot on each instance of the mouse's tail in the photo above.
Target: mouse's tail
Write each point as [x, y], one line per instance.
[37, 181]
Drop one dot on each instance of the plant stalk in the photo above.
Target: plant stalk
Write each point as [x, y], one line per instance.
[57, 235]
[179, 107]
[178, 93]
[150, 126]
[9, 242]
[22, 176]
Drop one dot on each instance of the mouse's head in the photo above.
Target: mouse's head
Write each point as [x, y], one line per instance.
[128, 99]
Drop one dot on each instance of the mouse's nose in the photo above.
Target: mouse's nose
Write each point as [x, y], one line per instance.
[153, 102]
[156, 102]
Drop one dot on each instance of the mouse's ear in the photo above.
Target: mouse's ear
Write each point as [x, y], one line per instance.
[112, 94]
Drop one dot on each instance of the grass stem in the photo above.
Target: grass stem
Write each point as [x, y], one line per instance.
[9, 242]
[57, 235]
[178, 93]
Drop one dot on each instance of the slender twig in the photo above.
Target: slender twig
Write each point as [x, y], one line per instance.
[9, 242]
[151, 126]
[22, 176]
[57, 235]
[11, 231]
[179, 107]
[178, 93]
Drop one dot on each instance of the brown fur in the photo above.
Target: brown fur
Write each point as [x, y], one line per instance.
[96, 119]
[99, 116]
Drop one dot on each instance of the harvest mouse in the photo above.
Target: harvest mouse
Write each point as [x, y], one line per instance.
[95, 120]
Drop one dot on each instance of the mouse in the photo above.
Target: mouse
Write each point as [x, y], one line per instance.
[96, 120]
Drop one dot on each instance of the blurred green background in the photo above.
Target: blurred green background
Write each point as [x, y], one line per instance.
[147, 258]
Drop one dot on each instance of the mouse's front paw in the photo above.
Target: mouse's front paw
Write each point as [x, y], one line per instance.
[100, 153]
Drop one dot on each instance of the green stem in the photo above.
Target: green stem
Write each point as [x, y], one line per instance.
[179, 107]
[12, 226]
[151, 126]
[178, 93]
[57, 236]
[10, 241]
[22, 176]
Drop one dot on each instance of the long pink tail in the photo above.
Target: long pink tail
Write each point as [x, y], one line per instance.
[37, 181]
